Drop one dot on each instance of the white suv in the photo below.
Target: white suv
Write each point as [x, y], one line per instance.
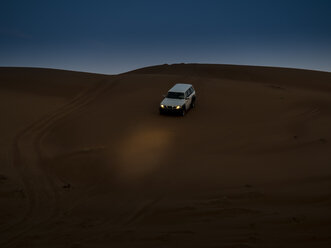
[180, 98]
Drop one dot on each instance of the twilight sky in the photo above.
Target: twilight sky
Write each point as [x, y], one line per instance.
[116, 36]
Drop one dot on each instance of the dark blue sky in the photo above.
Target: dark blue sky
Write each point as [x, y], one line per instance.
[117, 36]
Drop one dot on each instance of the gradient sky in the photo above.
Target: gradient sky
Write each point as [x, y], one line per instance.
[116, 36]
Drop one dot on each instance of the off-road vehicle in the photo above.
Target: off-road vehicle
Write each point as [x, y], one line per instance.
[179, 99]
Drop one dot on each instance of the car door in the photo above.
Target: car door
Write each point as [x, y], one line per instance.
[188, 99]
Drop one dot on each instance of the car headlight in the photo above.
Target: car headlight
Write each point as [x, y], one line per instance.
[162, 106]
[177, 107]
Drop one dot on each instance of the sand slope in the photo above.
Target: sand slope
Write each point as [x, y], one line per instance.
[87, 161]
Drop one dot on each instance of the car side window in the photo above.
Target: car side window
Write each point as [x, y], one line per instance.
[188, 93]
[191, 89]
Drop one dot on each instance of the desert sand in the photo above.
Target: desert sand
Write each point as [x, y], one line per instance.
[87, 161]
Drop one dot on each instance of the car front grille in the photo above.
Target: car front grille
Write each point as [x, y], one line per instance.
[170, 107]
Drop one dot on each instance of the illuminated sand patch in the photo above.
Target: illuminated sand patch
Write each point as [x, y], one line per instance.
[142, 151]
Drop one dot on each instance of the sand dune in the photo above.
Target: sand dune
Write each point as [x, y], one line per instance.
[87, 161]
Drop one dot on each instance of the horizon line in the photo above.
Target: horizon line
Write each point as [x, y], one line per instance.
[165, 64]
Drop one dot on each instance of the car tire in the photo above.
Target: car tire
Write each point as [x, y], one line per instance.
[193, 103]
[183, 112]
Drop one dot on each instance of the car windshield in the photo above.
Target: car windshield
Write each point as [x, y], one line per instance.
[175, 95]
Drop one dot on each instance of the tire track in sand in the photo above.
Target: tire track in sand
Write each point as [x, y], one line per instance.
[38, 186]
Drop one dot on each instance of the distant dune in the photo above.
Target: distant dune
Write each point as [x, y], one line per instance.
[87, 161]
